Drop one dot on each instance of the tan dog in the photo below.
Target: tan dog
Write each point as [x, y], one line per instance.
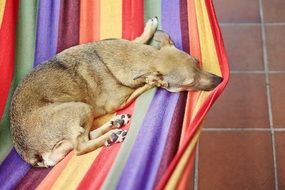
[53, 108]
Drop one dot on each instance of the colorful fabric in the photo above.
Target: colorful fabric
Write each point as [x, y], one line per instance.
[159, 149]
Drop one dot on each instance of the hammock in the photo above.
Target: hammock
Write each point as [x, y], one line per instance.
[159, 149]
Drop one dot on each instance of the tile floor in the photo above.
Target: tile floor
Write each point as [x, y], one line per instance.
[242, 145]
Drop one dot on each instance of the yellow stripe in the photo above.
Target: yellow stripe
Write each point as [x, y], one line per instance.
[76, 169]
[208, 49]
[202, 97]
[111, 19]
[2, 9]
[175, 177]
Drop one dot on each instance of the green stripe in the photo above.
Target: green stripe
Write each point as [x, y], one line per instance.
[151, 9]
[140, 109]
[24, 59]
[26, 34]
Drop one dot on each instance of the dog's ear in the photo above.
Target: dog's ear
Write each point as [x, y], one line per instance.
[152, 78]
[163, 38]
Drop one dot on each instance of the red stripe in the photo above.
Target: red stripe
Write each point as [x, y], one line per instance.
[210, 100]
[68, 32]
[7, 50]
[133, 18]
[101, 166]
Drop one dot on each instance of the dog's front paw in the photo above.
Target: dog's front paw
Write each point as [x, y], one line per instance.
[152, 24]
[121, 120]
[156, 79]
[117, 136]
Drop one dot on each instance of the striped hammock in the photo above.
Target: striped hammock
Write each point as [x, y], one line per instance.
[159, 149]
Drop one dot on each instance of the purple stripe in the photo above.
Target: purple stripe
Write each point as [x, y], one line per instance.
[33, 178]
[12, 170]
[176, 124]
[173, 137]
[170, 20]
[47, 30]
[144, 160]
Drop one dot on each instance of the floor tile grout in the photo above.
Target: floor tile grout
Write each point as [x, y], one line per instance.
[196, 167]
[268, 92]
[242, 129]
[256, 72]
[252, 24]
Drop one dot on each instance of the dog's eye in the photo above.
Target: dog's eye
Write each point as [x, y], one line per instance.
[189, 81]
[38, 157]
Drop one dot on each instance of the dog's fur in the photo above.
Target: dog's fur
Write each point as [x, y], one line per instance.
[54, 106]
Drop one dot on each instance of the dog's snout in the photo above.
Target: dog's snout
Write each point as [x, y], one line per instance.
[209, 81]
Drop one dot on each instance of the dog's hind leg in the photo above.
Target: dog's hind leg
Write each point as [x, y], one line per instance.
[104, 135]
[118, 121]
[58, 127]
[113, 136]
[149, 30]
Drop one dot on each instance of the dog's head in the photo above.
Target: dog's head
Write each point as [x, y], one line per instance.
[44, 156]
[178, 71]
[182, 73]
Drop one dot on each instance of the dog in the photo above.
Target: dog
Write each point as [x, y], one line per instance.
[54, 106]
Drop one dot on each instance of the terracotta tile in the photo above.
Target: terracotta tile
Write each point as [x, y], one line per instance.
[236, 161]
[277, 88]
[275, 42]
[237, 11]
[244, 50]
[274, 10]
[280, 157]
[243, 104]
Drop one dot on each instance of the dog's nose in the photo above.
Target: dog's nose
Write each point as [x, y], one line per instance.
[217, 80]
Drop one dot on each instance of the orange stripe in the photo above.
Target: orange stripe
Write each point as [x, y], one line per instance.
[195, 50]
[185, 180]
[89, 21]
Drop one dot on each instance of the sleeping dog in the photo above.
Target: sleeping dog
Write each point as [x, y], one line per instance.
[53, 108]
